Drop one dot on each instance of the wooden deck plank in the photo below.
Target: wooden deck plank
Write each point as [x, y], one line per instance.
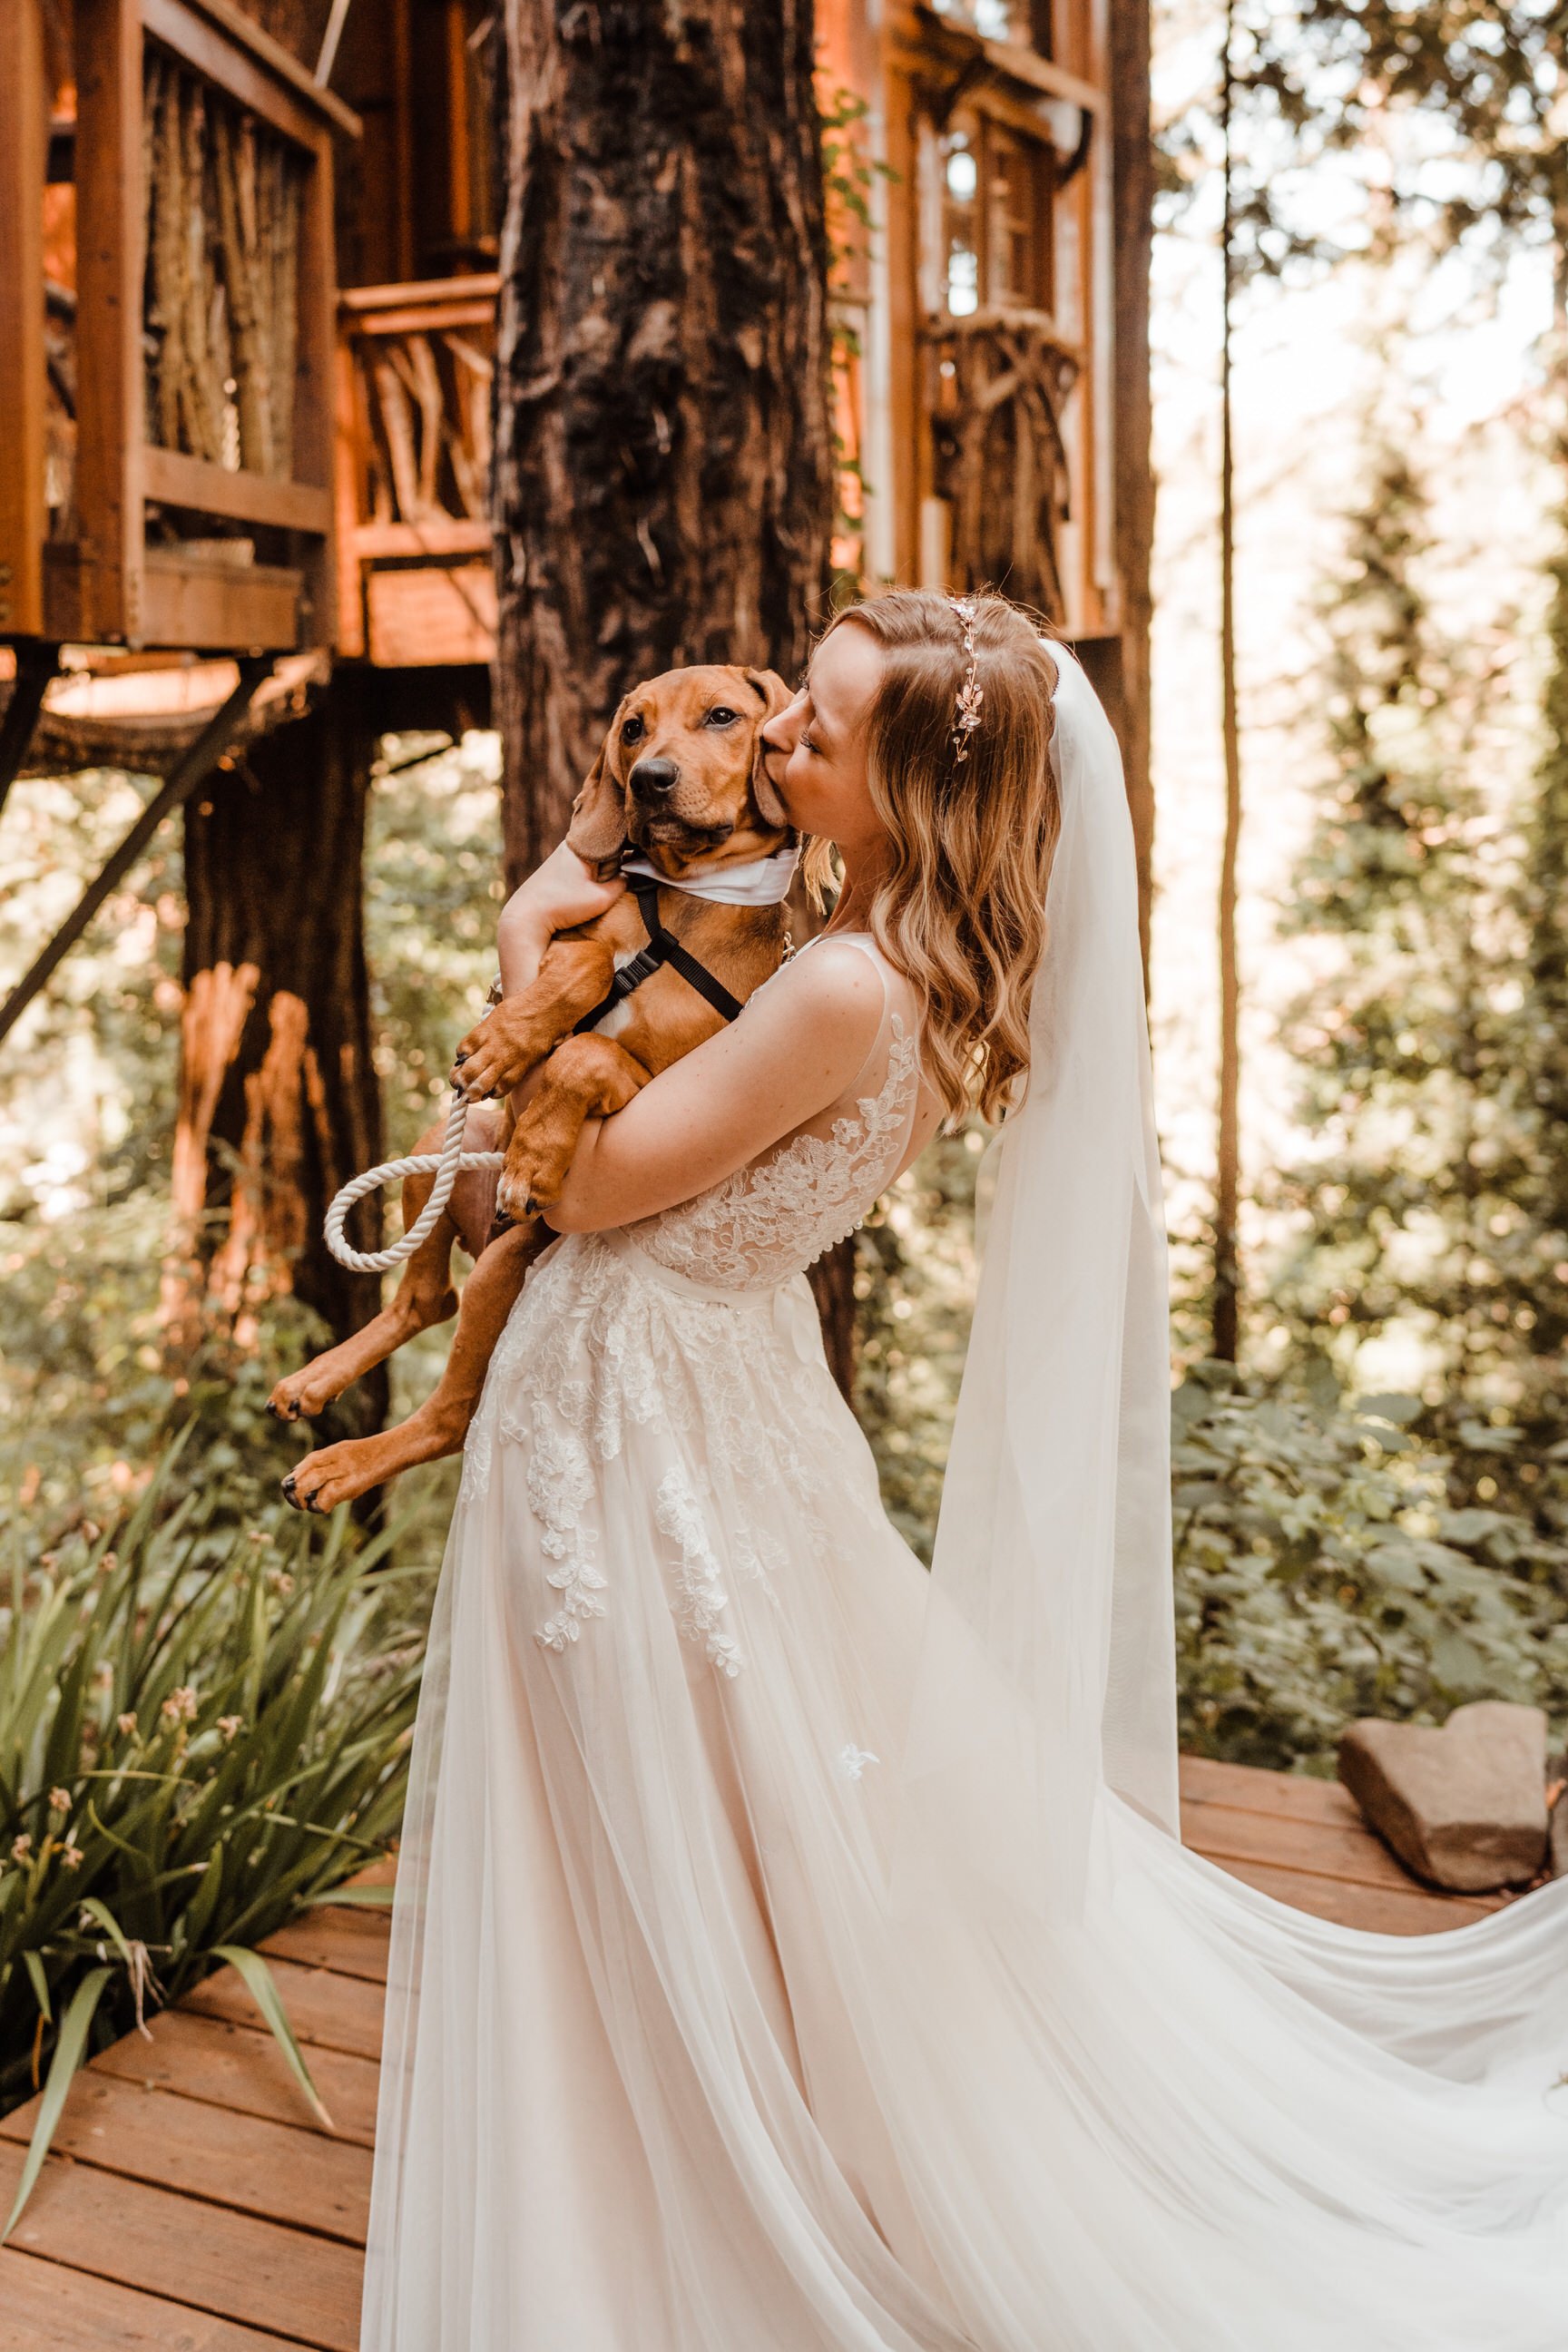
[1389, 1911]
[1300, 1839]
[1294, 1796]
[46, 2308]
[336, 1935]
[240, 2067]
[1332, 1851]
[282, 2172]
[340, 2012]
[283, 2282]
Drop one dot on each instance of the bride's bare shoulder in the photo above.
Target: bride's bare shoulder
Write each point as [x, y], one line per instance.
[828, 979]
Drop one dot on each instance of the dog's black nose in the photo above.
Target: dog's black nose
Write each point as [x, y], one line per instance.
[652, 779]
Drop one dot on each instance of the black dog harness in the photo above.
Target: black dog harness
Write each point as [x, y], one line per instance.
[663, 947]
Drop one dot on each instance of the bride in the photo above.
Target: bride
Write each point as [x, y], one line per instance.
[794, 1952]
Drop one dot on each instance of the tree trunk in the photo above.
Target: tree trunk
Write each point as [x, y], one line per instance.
[664, 453]
[1132, 199]
[1227, 1187]
[664, 467]
[279, 1103]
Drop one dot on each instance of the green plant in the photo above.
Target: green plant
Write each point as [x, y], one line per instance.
[1324, 1571]
[197, 1737]
[914, 1287]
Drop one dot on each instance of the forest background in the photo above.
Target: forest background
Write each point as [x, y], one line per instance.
[1372, 1500]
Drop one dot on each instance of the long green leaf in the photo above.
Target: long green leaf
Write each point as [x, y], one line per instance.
[263, 1990]
[376, 1898]
[35, 1966]
[101, 1911]
[62, 2068]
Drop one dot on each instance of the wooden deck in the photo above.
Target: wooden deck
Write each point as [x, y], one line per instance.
[192, 2204]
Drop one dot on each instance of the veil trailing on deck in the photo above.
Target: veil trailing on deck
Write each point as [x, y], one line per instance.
[1047, 1669]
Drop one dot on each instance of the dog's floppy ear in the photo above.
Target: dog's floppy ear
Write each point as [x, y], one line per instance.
[598, 828]
[777, 695]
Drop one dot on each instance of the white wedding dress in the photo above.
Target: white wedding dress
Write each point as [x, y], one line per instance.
[716, 2023]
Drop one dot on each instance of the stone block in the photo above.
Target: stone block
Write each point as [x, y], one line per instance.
[1465, 1806]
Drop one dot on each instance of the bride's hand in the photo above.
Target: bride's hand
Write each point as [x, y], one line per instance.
[558, 895]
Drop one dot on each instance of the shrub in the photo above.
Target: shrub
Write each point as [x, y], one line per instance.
[1323, 1571]
[202, 1728]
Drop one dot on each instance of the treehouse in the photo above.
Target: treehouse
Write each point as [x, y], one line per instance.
[976, 353]
[202, 453]
[212, 447]
[249, 294]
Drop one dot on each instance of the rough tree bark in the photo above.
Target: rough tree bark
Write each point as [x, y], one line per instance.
[279, 1103]
[1133, 186]
[664, 469]
[664, 453]
[1227, 1175]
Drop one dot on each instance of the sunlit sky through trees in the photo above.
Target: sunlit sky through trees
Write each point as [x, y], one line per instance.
[1444, 359]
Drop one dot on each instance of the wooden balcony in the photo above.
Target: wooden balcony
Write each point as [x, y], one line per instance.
[416, 584]
[166, 481]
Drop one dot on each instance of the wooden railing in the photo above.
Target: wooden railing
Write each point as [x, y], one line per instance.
[1001, 381]
[414, 362]
[173, 408]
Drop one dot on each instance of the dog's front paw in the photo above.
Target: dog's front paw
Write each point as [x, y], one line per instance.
[499, 1053]
[337, 1474]
[535, 1172]
[299, 1398]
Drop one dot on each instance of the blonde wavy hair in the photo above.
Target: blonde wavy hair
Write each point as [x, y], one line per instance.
[961, 908]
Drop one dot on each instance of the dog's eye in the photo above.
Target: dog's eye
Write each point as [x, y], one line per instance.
[633, 731]
[720, 717]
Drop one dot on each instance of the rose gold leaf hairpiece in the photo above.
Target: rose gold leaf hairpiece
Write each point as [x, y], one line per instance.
[971, 694]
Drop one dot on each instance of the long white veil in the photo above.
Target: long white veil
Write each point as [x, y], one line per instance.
[1048, 1668]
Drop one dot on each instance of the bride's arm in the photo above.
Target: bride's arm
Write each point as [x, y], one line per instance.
[796, 1046]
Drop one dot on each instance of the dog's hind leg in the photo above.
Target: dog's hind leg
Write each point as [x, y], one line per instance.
[337, 1474]
[424, 1297]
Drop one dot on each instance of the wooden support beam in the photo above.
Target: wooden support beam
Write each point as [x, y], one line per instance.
[112, 210]
[192, 770]
[314, 389]
[439, 302]
[24, 139]
[180, 481]
[235, 55]
[36, 663]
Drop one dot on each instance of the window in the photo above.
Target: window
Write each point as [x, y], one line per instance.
[1027, 22]
[962, 220]
[996, 218]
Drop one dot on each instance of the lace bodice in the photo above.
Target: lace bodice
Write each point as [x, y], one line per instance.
[771, 1219]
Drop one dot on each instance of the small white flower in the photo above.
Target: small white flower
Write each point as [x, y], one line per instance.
[853, 1760]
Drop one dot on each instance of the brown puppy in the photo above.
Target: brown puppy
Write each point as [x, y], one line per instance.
[680, 775]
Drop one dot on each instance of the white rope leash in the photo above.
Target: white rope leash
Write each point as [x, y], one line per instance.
[447, 1163]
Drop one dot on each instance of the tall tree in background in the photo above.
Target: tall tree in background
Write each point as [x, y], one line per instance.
[1489, 83]
[1228, 1157]
[279, 1103]
[664, 457]
[1404, 1043]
